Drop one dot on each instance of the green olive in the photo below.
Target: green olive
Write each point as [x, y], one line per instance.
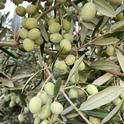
[94, 120]
[73, 93]
[54, 27]
[88, 12]
[91, 89]
[56, 108]
[28, 44]
[20, 10]
[31, 9]
[35, 104]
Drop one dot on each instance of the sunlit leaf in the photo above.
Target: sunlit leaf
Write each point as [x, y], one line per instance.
[103, 79]
[120, 57]
[106, 41]
[102, 98]
[112, 113]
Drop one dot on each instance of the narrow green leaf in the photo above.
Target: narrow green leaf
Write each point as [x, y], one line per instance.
[106, 41]
[103, 79]
[73, 122]
[9, 53]
[100, 114]
[104, 65]
[112, 113]
[120, 57]
[44, 32]
[7, 82]
[75, 67]
[102, 98]
[97, 26]
[119, 9]
[104, 8]
[57, 87]
[117, 27]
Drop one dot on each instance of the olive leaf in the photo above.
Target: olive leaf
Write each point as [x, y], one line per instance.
[57, 87]
[106, 41]
[102, 98]
[119, 9]
[101, 114]
[104, 65]
[75, 67]
[104, 8]
[120, 57]
[112, 113]
[118, 26]
[103, 79]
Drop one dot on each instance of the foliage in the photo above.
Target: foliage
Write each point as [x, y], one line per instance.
[64, 63]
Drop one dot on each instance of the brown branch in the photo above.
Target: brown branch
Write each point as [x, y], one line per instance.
[49, 10]
[76, 109]
[9, 44]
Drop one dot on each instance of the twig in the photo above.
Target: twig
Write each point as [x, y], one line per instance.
[49, 10]
[76, 109]
[9, 44]
[43, 64]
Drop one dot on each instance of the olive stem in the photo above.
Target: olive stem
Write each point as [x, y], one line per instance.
[49, 10]
[76, 109]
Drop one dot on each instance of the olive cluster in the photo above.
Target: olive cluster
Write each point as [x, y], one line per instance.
[43, 107]
[29, 33]
[2, 4]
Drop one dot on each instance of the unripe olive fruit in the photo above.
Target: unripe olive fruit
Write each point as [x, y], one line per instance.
[116, 2]
[23, 33]
[81, 93]
[35, 104]
[45, 112]
[13, 97]
[4, 90]
[65, 45]
[12, 104]
[94, 120]
[34, 34]
[91, 89]
[57, 47]
[66, 24]
[55, 37]
[61, 1]
[45, 122]
[88, 12]
[20, 10]
[31, 23]
[44, 97]
[81, 66]
[28, 44]
[68, 37]
[21, 118]
[56, 108]
[23, 22]
[60, 66]
[119, 16]
[70, 59]
[51, 20]
[16, 2]
[54, 27]
[37, 120]
[39, 41]
[75, 78]
[7, 98]
[117, 101]
[110, 50]
[26, 110]
[31, 9]
[18, 100]
[49, 88]
[73, 93]
[2, 5]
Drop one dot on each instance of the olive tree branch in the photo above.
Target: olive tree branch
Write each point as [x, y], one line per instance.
[76, 109]
[49, 10]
